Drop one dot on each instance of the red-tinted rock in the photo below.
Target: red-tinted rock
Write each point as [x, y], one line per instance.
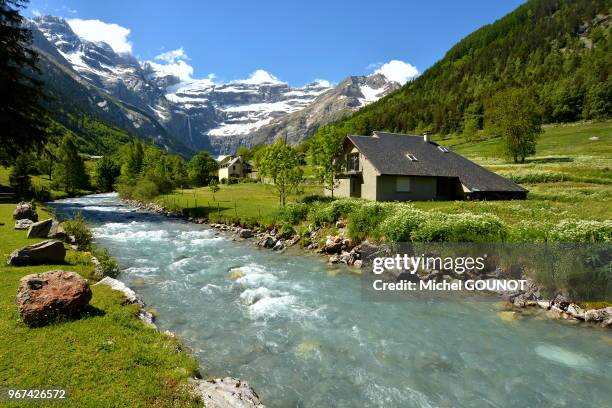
[43, 297]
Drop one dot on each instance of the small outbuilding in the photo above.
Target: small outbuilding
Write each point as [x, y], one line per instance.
[400, 167]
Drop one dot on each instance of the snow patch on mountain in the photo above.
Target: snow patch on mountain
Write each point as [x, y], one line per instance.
[260, 77]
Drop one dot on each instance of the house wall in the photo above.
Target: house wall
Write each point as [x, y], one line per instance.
[422, 188]
[226, 172]
[367, 179]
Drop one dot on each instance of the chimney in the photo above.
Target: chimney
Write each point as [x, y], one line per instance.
[426, 138]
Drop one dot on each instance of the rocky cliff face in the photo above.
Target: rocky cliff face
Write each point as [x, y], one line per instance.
[199, 114]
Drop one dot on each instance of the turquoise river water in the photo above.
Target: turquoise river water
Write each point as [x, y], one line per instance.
[297, 330]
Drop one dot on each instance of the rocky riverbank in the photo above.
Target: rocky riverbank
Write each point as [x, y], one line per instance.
[340, 249]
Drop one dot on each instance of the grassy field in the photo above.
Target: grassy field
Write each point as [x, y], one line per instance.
[248, 201]
[106, 358]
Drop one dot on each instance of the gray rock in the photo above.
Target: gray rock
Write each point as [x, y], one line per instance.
[561, 302]
[228, 393]
[23, 224]
[246, 233]
[43, 297]
[333, 245]
[57, 231]
[267, 241]
[334, 259]
[25, 210]
[40, 229]
[598, 315]
[575, 311]
[279, 245]
[46, 252]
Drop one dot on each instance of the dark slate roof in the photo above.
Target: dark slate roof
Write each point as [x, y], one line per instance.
[388, 154]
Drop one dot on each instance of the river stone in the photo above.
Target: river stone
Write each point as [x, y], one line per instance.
[333, 244]
[228, 393]
[129, 294]
[23, 224]
[598, 315]
[267, 241]
[40, 229]
[246, 233]
[46, 252]
[25, 210]
[43, 297]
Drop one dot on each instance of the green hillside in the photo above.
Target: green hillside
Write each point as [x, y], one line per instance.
[559, 50]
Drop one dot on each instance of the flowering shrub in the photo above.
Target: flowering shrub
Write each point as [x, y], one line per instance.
[535, 176]
[399, 226]
[581, 231]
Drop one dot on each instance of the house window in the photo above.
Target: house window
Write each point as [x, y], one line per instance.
[352, 162]
[402, 184]
[233, 167]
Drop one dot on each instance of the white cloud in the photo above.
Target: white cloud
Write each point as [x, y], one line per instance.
[173, 56]
[261, 77]
[398, 71]
[95, 30]
[36, 13]
[323, 82]
[179, 69]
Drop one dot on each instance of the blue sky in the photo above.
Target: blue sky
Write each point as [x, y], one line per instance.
[297, 41]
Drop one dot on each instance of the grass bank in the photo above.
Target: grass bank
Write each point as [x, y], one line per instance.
[107, 358]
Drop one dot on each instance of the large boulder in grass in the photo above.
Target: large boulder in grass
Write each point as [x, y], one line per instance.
[57, 231]
[43, 297]
[40, 229]
[46, 252]
[25, 210]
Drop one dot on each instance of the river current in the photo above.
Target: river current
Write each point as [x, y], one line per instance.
[298, 331]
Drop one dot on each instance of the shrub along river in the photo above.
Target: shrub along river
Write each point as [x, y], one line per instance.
[297, 330]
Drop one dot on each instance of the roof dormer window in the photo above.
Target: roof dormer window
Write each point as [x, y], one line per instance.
[411, 157]
[443, 149]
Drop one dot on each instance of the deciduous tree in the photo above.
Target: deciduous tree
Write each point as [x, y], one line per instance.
[201, 168]
[281, 163]
[514, 115]
[325, 149]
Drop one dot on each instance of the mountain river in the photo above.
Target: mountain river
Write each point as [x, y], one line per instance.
[298, 331]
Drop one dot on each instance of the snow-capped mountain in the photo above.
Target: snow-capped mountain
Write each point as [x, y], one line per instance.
[351, 94]
[201, 113]
[240, 107]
